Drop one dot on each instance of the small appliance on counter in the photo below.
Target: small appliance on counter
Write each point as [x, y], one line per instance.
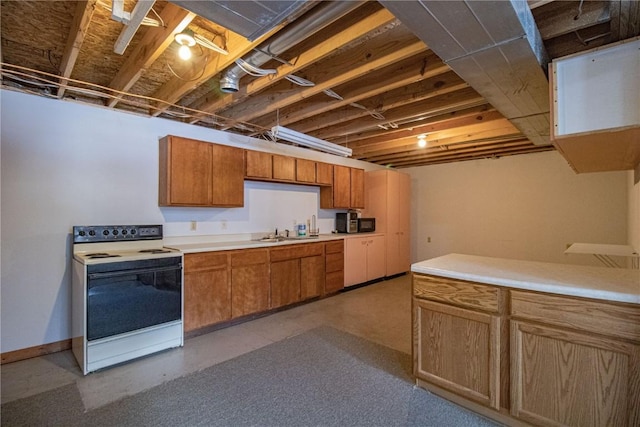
[347, 222]
[366, 225]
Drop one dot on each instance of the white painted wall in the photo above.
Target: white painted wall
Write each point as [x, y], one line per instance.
[523, 207]
[66, 164]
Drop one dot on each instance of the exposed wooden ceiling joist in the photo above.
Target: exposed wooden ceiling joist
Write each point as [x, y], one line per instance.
[393, 87]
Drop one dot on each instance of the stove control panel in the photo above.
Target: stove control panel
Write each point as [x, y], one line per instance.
[112, 233]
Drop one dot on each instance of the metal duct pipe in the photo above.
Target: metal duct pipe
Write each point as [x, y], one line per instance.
[314, 21]
[494, 46]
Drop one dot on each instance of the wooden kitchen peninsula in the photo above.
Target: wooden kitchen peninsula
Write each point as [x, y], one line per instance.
[529, 342]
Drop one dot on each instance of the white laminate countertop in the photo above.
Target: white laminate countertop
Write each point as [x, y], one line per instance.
[213, 245]
[611, 284]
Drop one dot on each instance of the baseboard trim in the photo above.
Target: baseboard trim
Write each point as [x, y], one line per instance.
[39, 350]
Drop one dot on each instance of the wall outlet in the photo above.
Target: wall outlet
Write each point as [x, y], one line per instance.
[194, 225]
[429, 239]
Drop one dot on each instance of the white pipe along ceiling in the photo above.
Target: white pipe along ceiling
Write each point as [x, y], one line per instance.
[496, 49]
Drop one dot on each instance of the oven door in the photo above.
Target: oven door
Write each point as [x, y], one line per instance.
[131, 295]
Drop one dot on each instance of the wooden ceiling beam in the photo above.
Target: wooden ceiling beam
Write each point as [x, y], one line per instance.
[77, 33]
[442, 104]
[464, 117]
[470, 132]
[414, 70]
[154, 42]
[563, 17]
[493, 154]
[500, 134]
[212, 102]
[359, 65]
[480, 147]
[393, 99]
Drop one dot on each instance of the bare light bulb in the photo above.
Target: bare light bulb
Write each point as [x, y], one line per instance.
[184, 52]
[422, 141]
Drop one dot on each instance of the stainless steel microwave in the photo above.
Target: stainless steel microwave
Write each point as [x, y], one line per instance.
[366, 225]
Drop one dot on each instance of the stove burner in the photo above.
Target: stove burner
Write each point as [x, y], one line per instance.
[101, 255]
[155, 251]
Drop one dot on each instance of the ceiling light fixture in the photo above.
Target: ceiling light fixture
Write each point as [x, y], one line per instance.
[187, 39]
[299, 138]
[422, 140]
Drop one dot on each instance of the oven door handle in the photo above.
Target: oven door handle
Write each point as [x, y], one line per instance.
[133, 271]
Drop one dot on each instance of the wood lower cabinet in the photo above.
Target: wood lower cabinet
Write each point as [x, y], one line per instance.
[458, 350]
[538, 358]
[207, 289]
[334, 267]
[297, 273]
[250, 287]
[570, 378]
[574, 361]
[364, 259]
[197, 173]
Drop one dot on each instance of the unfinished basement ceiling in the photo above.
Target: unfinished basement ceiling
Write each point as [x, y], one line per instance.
[348, 72]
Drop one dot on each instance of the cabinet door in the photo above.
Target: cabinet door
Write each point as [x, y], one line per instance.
[185, 172]
[458, 350]
[376, 256]
[398, 220]
[285, 282]
[284, 168]
[258, 165]
[207, 290]
[560, 377]
[324, 173]
[341, 187]
[355, 261]
[305, 171]
[357, 188]
[312, 276]
[227, 176]
[249, 282]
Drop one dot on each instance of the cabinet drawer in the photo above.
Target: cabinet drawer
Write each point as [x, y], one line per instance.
[456, 292]
[296, 251]
[335, 262]
[618, 320]
[334, 282]
[249, 257]
[335, 247]
[205, 261]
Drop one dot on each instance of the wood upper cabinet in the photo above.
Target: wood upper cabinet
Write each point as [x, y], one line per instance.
[324, 173]
[258, 164]
[250, 288]
[357, 188]
[197, 173]
[347, 190]
[284, 168]
[207, 289]
[305, 171]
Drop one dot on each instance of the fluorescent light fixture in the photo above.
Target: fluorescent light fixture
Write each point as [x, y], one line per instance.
[309, 141]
